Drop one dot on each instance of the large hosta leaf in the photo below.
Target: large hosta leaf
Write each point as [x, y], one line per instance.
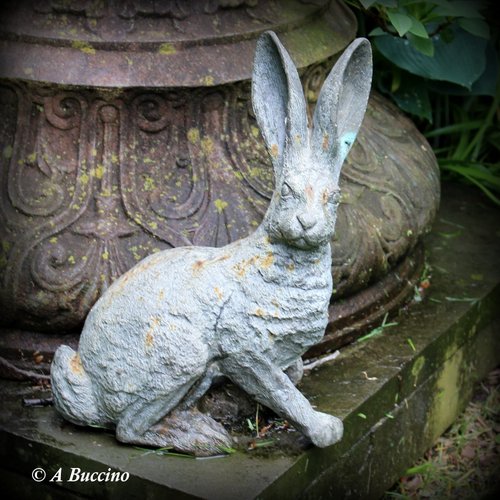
[485, 85]
[461, 61]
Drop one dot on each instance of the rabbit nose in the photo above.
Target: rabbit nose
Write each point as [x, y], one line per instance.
[306, 221]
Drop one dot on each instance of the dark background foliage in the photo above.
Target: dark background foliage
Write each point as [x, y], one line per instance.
[438, 61]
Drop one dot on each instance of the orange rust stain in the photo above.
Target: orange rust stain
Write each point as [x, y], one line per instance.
[298, 138]
[267, 261]
[325, 196]
[198, 266]
[76, 364]
[275, 303]
[309, 191]
[153, 323]
[259, 312]
[161, 295]
[274, 151]
[218, 292]
[290, 267]
[325, 142]
[241, 268]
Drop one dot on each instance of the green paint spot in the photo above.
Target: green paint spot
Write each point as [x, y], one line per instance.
[71, 259]
[220, 205]
[362, 415]
[149, 184]
[84, 178]
[208, 80]
[32, 157]
[477, 277]
[83, 46]
[207, 145]
[166, 49]
[255, 131]
[153, 225]
[99, 171]
[53, 239]
[193, 135]
[7, 152]
[105, 255]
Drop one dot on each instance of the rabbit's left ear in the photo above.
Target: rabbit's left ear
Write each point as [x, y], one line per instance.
[278, 100]
[342, 104]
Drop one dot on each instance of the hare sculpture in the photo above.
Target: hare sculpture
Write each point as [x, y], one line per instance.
[153, 343]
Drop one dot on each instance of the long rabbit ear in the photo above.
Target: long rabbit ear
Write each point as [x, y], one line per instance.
[342, 103]
[278, 99]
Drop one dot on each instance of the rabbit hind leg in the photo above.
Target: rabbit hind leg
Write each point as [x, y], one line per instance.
[191, 431]
[153, 423]
[136, 421]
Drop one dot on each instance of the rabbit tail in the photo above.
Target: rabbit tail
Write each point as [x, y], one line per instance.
[72, 389]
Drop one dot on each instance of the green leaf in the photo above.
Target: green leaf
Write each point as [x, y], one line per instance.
[418, 469]
[474, 172]
[377, 32]
[417, 28]
[461, 61]
[477, 27]
[423, 45]
[412, 96]
[401, 22]
[484, 85]
[460, 8]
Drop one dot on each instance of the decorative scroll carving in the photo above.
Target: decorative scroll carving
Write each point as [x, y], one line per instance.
[91, 183]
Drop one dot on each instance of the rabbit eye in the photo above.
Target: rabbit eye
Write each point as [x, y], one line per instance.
[334, 197]
[286, 191]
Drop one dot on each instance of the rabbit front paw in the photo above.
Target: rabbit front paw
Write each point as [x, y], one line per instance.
[326, 430]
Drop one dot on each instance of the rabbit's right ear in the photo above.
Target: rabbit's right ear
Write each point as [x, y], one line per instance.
[278, 99]
[342, 104]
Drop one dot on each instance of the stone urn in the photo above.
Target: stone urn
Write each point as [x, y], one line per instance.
[127, 129]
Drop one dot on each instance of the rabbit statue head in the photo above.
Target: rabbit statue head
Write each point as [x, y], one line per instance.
[307, 162]
[154, 342]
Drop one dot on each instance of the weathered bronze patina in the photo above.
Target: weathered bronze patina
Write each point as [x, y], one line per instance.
[127, 129]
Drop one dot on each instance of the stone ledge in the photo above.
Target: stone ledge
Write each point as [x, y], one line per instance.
[396, 393]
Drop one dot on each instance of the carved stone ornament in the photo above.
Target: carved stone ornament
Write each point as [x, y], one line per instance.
[128, 132]
[153, 343]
